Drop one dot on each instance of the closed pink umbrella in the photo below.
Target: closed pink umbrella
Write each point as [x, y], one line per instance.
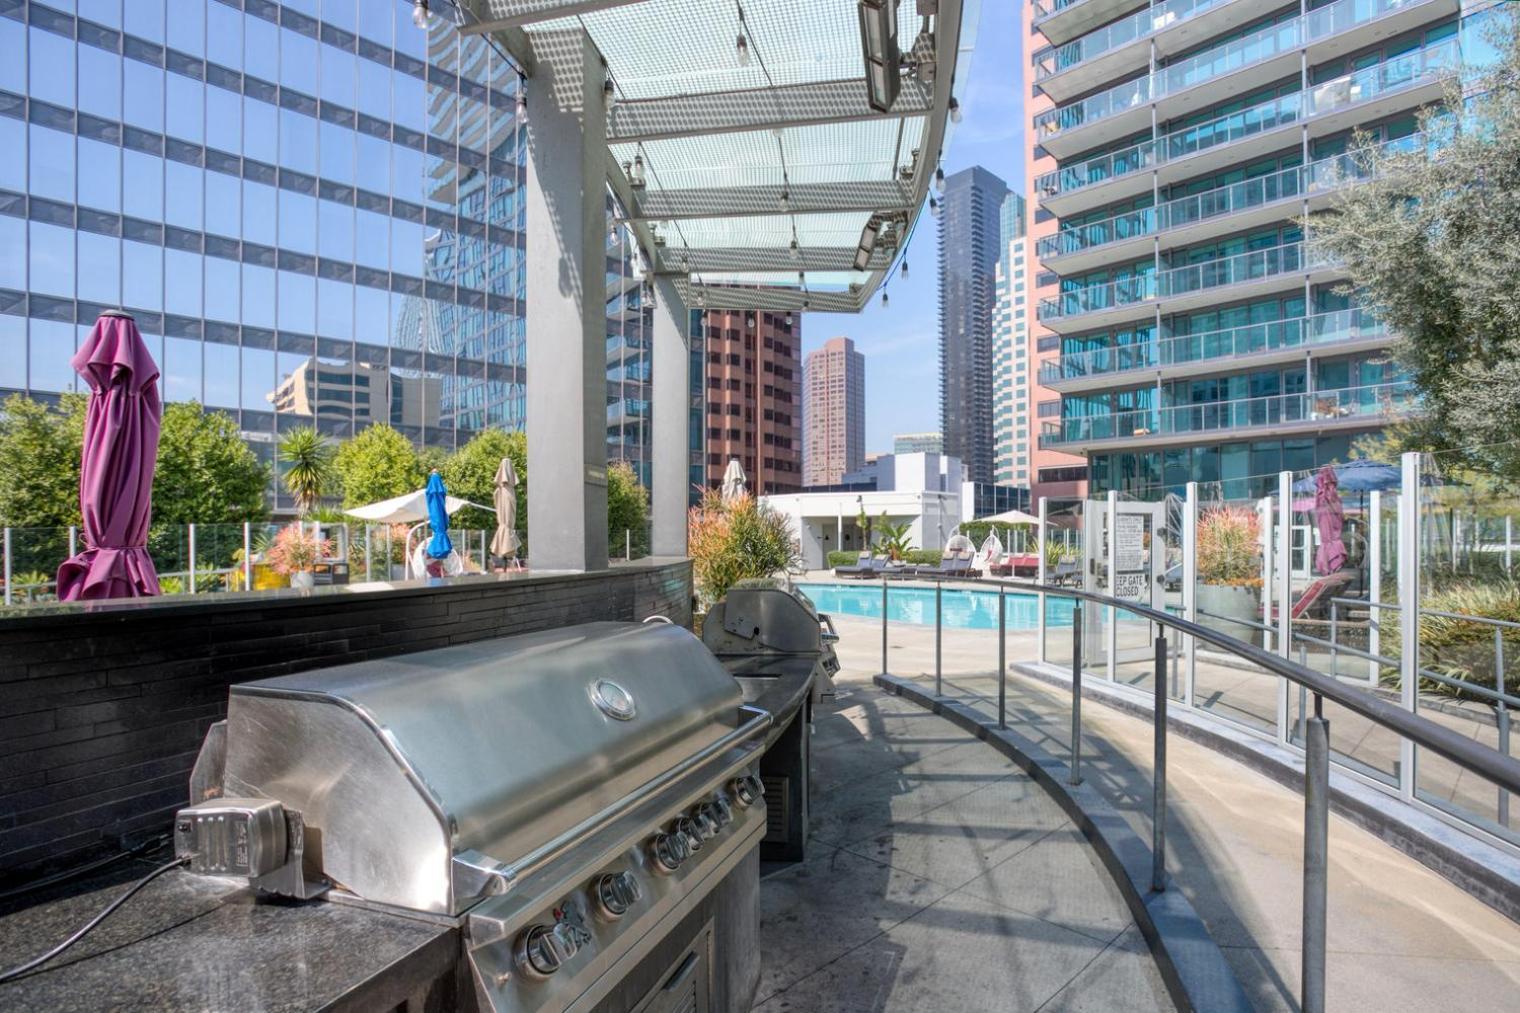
[1330, 519]
[116, 469]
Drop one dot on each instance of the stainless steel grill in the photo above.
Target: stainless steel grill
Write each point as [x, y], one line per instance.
[564, 797]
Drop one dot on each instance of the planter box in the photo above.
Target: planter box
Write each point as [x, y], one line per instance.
[1230, 603]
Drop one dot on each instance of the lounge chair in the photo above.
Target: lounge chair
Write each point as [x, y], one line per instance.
[1064, 573]
[949, 566]
[866, 567]
[1015, 565]
[1313, 602]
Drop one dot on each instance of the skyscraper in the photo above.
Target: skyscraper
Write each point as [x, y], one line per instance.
[969, 227]
[280, 192]
[754, 398]
[1010, 352]
[1187, 333]
[834, 412]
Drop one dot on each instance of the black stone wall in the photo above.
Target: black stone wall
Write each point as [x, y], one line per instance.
[102, 712]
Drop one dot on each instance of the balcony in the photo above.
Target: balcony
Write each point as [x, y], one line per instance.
[1116, 49]
[1241, 276]
[1344, 408]
[1253, 345]
[1060, 21]
[1201, 216]
[1406, 81]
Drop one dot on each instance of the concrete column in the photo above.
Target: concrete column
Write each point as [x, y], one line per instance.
[670, 406]
[567, 359]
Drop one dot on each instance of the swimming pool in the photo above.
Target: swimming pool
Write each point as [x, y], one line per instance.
[964, 608]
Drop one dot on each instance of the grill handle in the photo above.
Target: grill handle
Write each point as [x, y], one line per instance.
[503, 877]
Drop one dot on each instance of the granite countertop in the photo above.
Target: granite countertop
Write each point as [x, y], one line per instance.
[196, 943]
[775, 683]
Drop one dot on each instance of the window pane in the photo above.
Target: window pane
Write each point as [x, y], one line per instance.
[221, 375]
[186, 107]
[13, 44]
[99, 268]
[335, 231]
[182, 283]
[373, 168]
[259, 212]
[142, 275]
[258, 298]
[145, 18]
[187, 26]
[144, 91]
[13, 253]
[223, 197]
[338, 72]
[12, 152]
[337, 161]
[52, 346]
[99, 82]
[181, 369]
[298, 62]
[222, 287]
[224, 35]
[52, 155]
[52, 260]
[261, 49]
[100, 180]
[335, 309]
[298, 141]
[102, 12]
[258, 378]
[224, 120]
[372, 238]
[183, 193]
[52, 66]
[297, 307]
[143, 185]
[298, 222]
[12, 347]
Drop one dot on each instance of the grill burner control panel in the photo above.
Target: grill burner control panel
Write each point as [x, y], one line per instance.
[545, 947]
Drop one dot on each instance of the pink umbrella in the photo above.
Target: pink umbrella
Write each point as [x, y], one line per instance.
[116, 468]
[1329, 518]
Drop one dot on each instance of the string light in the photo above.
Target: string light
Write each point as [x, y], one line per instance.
[905, 268]
[420, 13]
[742, 49]
[795, 249]
[609, 95]
[884, 300]
[939, 180]
[934, 208]
[785, 201]
[955, 110]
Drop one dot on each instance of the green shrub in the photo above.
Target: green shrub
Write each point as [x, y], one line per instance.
[733, 541]
[1458, 648]
[923, 557]
[843, 557]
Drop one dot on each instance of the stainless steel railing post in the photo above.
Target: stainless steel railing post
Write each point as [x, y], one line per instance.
[1158, 790]
[1075, 777]
[884, 626]
[1002, 659]
[1316, 857]
[939, 626]
[1501, 719]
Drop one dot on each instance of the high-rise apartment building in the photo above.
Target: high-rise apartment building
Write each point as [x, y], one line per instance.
[1010, 351]
[291, 198]
[969, 227]
[834, 412]
[754, 398]
[1185, 332]
[917, 443]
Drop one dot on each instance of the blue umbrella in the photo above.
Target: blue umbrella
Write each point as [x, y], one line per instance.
[1360, 475]
[439, 546]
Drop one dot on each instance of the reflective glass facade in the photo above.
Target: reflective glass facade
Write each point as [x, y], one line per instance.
[313, 209]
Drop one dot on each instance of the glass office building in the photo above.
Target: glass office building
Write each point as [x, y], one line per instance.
[313, 208]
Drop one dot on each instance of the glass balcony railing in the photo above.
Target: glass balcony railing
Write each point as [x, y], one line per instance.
[1325, 406]
[1213, 63]
[1252, 265]
[1242, 267]
[1092, 298]
[1045, 8]
[1215, 346]
[1381, 79]
[1119, 33]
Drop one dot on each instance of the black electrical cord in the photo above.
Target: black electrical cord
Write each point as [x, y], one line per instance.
[88, 926]
[136, 851]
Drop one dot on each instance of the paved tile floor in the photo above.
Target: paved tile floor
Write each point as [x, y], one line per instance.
[938, 879]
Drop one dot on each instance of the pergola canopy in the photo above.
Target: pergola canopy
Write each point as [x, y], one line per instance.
[757, 176]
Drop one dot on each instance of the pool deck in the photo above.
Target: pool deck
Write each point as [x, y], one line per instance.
[1400, 936]
[939, 877]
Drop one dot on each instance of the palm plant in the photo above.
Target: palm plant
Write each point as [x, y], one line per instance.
[895, 541]
[309, 471]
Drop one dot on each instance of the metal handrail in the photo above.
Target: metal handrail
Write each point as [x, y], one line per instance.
[1462, 751]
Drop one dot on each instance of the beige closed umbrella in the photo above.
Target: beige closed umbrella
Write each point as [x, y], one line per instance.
[504, 542]
[733, 481]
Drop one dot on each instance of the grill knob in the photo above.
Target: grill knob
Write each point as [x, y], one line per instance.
[707, 818]
[747, 790]
[722, 812]
[544, 949]
[688, 828]
[669, 851]
[616, 892]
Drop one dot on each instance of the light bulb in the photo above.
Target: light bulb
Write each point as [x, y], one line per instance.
[905, 269]
[786, 201]
[802, 277]
[789, 318]
[420, 13]
[955, 110]
[796, 250]
[609, 94]
[884, 300]
[934, 208]
[939, 180]
[741, 48]
[637, 177]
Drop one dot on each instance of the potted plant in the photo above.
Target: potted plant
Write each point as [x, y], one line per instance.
[294, 554]
[895, 540]
[1229, 572]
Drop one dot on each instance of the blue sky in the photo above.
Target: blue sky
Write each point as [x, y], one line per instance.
[900, 343]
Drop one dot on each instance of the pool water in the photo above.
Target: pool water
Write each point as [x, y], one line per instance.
[964, 609]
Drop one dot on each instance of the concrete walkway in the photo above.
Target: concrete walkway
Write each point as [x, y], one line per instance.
[1400, 936]
[938, 879]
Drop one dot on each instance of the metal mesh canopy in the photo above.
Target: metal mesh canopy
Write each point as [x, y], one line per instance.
[742, 164]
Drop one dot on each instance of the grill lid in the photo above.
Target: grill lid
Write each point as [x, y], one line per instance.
[398, 765]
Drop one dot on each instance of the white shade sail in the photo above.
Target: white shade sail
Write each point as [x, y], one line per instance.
[410, 508]
[1010, 517]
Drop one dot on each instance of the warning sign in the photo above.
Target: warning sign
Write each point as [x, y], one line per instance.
[1129, 542]
[1131, 586]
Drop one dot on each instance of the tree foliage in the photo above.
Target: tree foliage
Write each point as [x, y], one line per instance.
[206, 473]
[470, 473]
[378, 463]
[627, 511]
[39, 445]
[1432, 244]
[309, 475]
[735, 541]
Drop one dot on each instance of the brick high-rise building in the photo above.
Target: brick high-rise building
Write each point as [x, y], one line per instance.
[754, 398]
[834, 412]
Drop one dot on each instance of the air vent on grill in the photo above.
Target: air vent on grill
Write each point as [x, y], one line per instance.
[778, 807]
